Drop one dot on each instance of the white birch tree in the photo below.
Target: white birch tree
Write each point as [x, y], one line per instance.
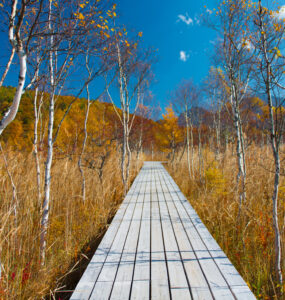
[67, 39]
[20, 37]
[268, 40]
[132, 69]
[235, 54]
[184, 99]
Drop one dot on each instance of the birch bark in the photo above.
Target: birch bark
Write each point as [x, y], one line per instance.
[276, 133]
[46, 202]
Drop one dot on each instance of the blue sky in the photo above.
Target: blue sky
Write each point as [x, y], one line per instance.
[172, 27]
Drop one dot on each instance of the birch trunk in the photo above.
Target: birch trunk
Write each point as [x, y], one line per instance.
[7, 66]
[11, 113]
[275, 144]
[46, 202]
[239, 148]
[124, 119]
[192, 149]
[37, 110]
[184, 148]
[17, 44]
[140, 140]
[123, 158]
[129, 155]
[45, 207]
[188, 143]
[278, 254]
[83, 185]
[201, 164]
[81, 170]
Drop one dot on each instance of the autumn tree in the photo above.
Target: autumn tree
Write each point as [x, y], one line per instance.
[267, 38]
[184, 99]
[215, 91]
[171, 131]
[23, 21]
[66, 42]
[132, 68]
[234, 54]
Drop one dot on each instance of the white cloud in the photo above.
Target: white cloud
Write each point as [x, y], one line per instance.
[280, 15]
[184, 56]
[185, 19]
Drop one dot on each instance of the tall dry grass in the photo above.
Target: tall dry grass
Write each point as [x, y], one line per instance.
[249, 241]
[73, 225]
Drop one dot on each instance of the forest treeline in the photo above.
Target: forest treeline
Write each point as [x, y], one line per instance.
[68, 161]
[166, 135]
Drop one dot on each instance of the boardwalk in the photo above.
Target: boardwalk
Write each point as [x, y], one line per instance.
[158, 248]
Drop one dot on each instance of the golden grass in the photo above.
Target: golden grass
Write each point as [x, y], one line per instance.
[249, 242]
[73, 224]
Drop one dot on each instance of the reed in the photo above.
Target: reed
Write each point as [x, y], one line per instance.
[73, 225]
[249, 240]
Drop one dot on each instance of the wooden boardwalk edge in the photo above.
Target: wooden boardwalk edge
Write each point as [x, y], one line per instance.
[158, 248]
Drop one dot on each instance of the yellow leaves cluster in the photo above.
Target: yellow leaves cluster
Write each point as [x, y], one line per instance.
[278, 27]
[82, 5]
[79, 16]
[111, 14]
[276, 51]
[170, 125]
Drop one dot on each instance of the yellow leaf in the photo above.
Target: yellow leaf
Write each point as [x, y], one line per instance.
[140, 34]
[80, 16]
[278, 53]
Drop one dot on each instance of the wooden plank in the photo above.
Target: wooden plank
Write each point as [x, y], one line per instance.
[178, 283]
[218, 285]
[109, 270]
[199, 233]
[86, 284]
[141, 278]
[123, 280]
[158, 248]
[159, 272]
[199, 285]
